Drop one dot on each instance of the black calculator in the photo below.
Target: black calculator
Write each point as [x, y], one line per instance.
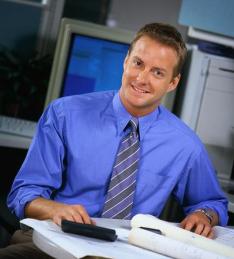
[88, 230]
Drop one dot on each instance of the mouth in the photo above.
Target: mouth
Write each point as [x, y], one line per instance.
[139, 90]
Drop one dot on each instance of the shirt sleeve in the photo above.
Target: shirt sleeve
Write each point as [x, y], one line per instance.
[41, 172]
[199, 188]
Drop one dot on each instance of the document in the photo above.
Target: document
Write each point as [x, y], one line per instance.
[133, 242]
[179, 243]
[51, 239]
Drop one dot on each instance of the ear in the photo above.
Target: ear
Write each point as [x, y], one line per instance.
[174, 83]
[125, 61]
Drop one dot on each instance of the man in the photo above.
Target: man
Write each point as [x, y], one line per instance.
[67, 173]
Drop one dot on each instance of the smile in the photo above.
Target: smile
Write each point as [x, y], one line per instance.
[139, 90]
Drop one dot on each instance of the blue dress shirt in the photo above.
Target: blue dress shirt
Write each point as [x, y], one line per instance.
[72, 154]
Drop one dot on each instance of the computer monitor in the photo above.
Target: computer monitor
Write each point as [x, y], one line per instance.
[88, 58]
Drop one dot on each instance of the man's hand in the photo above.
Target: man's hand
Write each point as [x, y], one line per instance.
[198, 223]
[76, 213]
[41, 208]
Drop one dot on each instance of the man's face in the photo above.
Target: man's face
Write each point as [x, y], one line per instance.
[147, 76]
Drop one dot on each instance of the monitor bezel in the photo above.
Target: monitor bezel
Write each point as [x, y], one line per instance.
[68, 28]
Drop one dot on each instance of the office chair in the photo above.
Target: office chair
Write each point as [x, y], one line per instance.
[8, 223]
[10, 159]
[172, 211]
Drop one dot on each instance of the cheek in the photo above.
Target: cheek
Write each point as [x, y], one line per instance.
[160, 85]
[126, 76]
[126, 73]
[124, 80]
[130, 72]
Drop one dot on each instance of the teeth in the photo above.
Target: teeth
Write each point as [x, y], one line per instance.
[139, 90]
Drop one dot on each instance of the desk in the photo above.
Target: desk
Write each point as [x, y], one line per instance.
[230, 202]
[50, 239]
[227, 186]
[9, 140]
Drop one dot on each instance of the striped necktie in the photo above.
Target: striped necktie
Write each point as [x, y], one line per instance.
[121, 189]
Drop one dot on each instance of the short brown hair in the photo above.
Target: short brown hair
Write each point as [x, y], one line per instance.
[167, 35]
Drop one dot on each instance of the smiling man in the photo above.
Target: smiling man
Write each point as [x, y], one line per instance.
[148, 76]
[117, 154]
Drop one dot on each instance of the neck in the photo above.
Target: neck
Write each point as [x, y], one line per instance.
[140, 112]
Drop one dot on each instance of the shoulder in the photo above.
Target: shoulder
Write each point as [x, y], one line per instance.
[81, 103]
[64, 115]
[180, 132]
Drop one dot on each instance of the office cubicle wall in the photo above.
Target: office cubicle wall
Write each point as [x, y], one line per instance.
[205, 103]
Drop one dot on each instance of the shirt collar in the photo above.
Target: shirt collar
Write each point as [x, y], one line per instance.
[123, 117]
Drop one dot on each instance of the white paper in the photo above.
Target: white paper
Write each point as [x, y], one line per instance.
[51, 238]
[187, 237]
[168, 246]
[80, 246]
[224, 235]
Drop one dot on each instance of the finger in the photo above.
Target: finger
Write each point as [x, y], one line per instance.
[84, 215]
[206, 230]
[211, 234]
[93, 222]
[199, 229]
[188, 225]
[58, 218]
[77, 217]
[183, 223]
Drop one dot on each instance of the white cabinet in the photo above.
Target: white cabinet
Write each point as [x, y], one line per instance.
[215, 121]
[207, 105]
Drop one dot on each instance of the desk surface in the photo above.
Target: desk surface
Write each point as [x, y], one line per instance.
[50, 239]
[230, 202]
[13, 141]
[226, 186]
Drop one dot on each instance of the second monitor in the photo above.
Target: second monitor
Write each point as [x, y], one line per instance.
[88, 58]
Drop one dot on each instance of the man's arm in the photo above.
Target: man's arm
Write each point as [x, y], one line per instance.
[200, 223]
[202, 191]
[42, 209]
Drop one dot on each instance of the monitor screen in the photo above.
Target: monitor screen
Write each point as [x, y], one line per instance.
[93, 64]
[88, 58]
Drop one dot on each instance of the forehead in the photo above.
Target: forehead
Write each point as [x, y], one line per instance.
[152, 50]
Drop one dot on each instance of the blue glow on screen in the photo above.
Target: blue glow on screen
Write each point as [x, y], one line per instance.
[93, 65]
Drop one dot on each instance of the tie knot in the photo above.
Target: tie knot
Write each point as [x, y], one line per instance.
[134, 124]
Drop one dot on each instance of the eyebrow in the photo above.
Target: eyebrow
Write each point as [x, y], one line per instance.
[161, 69]
[136, 57]
[156, 68]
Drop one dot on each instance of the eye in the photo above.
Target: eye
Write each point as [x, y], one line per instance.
[158, 73]
[137, 62]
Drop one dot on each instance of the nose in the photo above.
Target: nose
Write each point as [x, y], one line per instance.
[143, 77]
